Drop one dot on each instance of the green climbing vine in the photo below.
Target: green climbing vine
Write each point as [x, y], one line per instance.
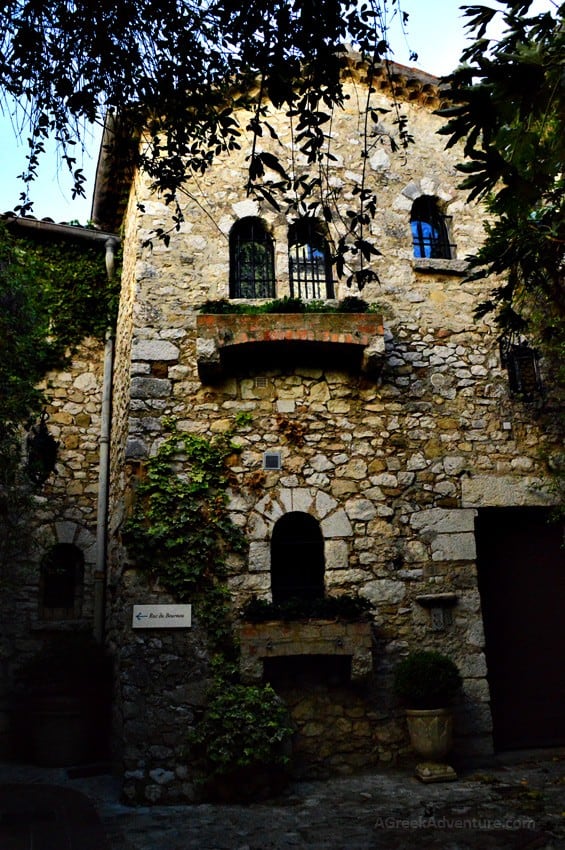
[180, 535]
[53, 294]
[180, 530]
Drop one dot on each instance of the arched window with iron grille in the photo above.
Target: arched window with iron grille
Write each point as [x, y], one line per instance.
[252, 267]
[310, 266]
[430, 238]
[297, 558]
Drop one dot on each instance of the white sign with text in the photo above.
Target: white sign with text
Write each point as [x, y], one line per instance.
[162, 616]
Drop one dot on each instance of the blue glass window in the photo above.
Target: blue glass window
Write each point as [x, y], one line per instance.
[429, 230]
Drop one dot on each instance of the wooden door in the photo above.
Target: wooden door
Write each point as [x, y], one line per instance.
[521, 562]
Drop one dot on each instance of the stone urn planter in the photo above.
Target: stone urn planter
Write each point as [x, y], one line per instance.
[427, 681]
[431, 732]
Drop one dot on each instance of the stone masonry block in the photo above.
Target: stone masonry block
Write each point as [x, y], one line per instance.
[454, 547]
[443, 521]
[154, 349]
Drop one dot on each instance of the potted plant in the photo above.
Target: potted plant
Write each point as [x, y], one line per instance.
[66, 692]
[242, 746]
[427, 681]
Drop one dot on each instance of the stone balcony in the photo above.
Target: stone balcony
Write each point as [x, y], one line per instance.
[276, 639]
[220, 336]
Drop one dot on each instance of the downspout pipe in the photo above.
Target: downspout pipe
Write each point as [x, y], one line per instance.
[100, 576]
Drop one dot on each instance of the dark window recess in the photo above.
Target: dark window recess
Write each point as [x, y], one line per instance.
[252, 268]
[302, 671]
[522, 365]
[430, 237]
[297, 558]
[61, 583]
[41, 451]
[310, 266]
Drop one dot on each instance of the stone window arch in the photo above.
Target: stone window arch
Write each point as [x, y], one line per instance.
[61, 583]
[430, 237]
[252, 263]
[310, 267]
[297, 558]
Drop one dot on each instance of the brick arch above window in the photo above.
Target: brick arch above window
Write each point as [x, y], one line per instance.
[331, 515]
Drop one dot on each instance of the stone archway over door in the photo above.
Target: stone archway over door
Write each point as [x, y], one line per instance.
[521, 564]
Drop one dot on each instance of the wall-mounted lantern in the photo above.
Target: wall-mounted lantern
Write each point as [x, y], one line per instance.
[41, 451]
[522, 365]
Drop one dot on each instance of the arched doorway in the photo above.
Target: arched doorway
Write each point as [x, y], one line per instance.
[297, 558]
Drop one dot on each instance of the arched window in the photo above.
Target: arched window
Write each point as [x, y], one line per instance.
[61, 583]
[297, 558]
[310, 265]
[252, 267]
[429, 230]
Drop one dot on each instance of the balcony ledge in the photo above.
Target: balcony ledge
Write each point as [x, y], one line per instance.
[219, 334]
[276, 638]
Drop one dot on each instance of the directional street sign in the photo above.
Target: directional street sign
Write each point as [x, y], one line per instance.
[162, 616]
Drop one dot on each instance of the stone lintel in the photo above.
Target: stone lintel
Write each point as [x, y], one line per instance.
[433, 266]
[486, 491]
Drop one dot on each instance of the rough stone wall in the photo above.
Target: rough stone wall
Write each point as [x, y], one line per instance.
[392, 469]
[63, 510]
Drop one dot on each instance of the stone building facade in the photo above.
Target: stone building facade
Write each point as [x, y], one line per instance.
[392, 436]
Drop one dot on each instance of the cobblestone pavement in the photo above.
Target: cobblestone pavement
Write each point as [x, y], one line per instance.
[516, 805]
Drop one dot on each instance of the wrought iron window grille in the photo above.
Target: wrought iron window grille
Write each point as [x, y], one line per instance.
[252, 271]
[522, 365]
[310, 268]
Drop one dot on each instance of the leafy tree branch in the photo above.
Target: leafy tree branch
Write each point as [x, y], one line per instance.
[510, 115]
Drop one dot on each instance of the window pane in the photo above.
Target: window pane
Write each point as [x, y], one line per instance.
[429, 232]
[309, 262]
[61, 582]
[251, 261]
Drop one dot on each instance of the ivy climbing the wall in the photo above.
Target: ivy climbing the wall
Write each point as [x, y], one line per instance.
[53, 294]
[180, 535]
[180, 530]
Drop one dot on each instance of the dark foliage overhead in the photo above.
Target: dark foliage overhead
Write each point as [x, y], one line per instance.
[511, 119]
[72, 61]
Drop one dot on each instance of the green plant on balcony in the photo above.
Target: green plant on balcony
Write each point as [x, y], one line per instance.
[347, 607]
[350, 304]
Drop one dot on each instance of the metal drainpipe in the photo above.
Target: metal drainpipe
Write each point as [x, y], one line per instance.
[104, 468]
